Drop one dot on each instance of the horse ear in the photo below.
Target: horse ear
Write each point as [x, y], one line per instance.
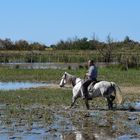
[65, 74]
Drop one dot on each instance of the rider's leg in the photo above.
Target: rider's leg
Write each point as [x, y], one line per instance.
[84, 88]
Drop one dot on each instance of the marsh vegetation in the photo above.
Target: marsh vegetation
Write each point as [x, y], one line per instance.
[41, 113]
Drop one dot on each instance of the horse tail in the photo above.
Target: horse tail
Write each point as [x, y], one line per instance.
[118, 94]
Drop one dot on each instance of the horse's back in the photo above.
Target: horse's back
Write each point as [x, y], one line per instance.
[100, 87]
[101, 84]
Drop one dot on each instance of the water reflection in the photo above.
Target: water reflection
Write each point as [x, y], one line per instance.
[79, 135]
[31, 124]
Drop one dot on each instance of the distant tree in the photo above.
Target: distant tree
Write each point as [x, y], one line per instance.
[8, 44]
[76, 44]
[127, 39]
[37, 46]
[21, 45]
[94, 43]
[2, 46]
[107, 49]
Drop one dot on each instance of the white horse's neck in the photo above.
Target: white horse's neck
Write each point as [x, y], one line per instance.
[73, 79]
[78, 80]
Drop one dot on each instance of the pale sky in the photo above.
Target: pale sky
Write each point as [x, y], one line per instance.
[49, 21]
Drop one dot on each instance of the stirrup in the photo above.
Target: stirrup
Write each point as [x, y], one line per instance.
[83, 97]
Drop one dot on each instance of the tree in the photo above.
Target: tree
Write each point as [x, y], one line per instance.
[127, 39]
[2, 46]
[107, 49]
[37, 46]
[8, 44]
[21, 45]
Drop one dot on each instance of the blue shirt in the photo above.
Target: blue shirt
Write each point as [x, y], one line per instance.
[92, 71]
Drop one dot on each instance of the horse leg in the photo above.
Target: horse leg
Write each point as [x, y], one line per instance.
[110, 103]
[73, 101]
[112, 98]
[87, 104]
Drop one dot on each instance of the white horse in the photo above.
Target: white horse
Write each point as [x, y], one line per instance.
[100, 89]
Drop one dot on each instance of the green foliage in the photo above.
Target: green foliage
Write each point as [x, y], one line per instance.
[126, 78]
[94, 44]
[70, 44]
[132, 61]
[43, 96]
[77, 50]
[77, 44]
[58, 96]
[111, 73]
[20, 45]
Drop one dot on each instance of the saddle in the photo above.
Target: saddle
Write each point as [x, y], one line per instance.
[91, 86]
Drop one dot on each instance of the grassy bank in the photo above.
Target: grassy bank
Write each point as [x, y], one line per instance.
[36, 96]
[130, 77]
[29, 75]
[48, 56]
[44, 109]
[53, 96]
[70, 56]
[59, 97]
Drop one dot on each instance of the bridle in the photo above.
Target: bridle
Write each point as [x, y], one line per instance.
[72, 80]
[63, 79]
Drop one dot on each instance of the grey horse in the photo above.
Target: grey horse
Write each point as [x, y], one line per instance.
[100, 89]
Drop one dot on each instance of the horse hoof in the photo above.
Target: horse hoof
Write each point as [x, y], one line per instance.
[66, 108]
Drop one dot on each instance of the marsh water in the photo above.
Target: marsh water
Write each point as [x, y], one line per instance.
[52, 65]
[39, 122]
[19, 85]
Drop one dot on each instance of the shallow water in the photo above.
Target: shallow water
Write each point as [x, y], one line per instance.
[30, 123]
[133, 106]
[19, 85]
[51, 65]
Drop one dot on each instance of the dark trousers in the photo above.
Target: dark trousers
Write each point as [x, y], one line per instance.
[85, 87]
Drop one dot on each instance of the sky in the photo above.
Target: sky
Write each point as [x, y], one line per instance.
[49, 21]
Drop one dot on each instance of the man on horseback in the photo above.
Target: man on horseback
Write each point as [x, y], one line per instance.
[91, 77]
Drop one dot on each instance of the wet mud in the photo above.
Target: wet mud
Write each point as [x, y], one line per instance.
[44, 122]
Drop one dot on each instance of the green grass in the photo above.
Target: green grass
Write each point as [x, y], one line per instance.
[29, 74]
[48, 56]
[65, 56]
[125, 78]
[36, 96]
[130, 77]
[59, 96]
[52, 97]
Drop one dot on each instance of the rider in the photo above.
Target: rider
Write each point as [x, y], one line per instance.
[91, 77]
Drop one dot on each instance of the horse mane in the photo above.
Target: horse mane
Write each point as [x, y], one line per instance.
[71, 78]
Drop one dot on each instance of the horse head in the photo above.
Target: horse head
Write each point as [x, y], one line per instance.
[67, 78]
[63, 80]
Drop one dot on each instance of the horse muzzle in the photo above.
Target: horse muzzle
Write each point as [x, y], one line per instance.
[61, 85]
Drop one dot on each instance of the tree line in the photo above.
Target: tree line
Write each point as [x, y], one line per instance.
[126, 51]
[94, 44]
[71, 44]
[21, 45]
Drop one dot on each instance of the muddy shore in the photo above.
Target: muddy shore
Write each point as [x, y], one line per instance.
[39, 122]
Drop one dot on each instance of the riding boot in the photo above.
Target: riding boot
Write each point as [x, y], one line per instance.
[84, 88]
